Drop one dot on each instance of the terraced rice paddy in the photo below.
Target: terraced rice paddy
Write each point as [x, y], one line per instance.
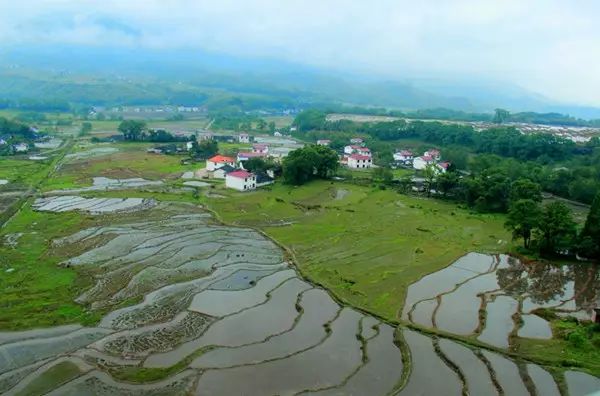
[93, 205]
[494, 298]
[196, 307]
[106, 184]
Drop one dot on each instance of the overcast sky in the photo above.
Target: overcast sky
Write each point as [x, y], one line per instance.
[548, 46]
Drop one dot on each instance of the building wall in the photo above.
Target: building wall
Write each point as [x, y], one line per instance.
[211, 166]
[359, 164]
[419, 164]
[240, 184]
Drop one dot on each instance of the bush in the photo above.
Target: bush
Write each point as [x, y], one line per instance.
[577, 339]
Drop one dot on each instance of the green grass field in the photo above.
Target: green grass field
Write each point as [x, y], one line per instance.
[37, 292]
[366, 245]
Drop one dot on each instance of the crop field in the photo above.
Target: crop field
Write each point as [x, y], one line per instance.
[366, 245]
[132, 285]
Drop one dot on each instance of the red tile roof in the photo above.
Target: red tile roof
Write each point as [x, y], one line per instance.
[241, 174]
[427, 158]
[219, 159]
[259, 146]
[406, 152]
[444, 165]
[360, 157]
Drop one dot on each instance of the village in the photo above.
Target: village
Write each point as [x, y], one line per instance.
[355, 156]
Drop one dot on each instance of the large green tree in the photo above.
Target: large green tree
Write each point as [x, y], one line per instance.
[525, 189]
[589, 239]
[205, 149]
[557, 229]
[524, 215]
[132, 129]
[310, 119]
[309, 162]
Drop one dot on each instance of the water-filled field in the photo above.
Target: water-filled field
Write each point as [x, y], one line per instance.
[196, 307]
[495, 298]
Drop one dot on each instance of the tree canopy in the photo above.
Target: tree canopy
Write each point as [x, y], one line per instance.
[308, 163]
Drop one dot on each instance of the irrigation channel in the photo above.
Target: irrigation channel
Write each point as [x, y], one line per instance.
[197, 307]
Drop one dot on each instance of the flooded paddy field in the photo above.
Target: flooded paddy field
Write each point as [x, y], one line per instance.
[496, 298]
[191, 306]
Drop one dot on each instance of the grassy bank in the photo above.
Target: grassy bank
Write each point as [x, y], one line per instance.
[366, 245]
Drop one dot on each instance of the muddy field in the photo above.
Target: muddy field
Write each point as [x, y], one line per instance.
[196, 307]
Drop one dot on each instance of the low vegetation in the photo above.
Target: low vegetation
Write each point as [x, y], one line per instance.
[365, 244]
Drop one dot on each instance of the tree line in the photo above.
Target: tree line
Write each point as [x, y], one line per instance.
[137, 131]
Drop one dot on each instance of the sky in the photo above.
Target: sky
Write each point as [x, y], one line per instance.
[551, 47]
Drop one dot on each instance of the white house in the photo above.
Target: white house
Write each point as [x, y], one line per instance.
[277, 134]
[351, 149]
[359, 161]
[189, 145]
[364, 151]
[403, 155]
[241, 180]
[221, 172]
[323, 142]
[421, 163]
[356, 140]
[218, 161]
[244, 138]
[442, 167]
[260, 148]
[433, 153]
[21, 148]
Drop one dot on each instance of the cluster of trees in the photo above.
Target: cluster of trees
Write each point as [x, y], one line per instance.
[205, 149]
[440, 113]
[10, 128]
[551, 228]
[136, 131]
[308, 163]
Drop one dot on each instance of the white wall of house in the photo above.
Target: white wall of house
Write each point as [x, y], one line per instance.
[244, 138]
[402, 157]
[348, 150]
[241, 184]
[359, 163]
[219, 174]
[419, 163]
[211, 166]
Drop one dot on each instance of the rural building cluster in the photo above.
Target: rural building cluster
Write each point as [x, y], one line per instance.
[432, 157]
[356, 155]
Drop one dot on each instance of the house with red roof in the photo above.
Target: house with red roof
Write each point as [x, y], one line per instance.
[240, 180]
[359, 161]
[435, 154]
[364, 151]
[351, 149]
[423, 161]
[218, 161]
[443, 167]
[403, 156]
[260, 148]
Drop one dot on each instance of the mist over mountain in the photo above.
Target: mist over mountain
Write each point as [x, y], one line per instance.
[108, 76]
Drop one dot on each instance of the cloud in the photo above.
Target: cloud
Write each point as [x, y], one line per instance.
[549, 46]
